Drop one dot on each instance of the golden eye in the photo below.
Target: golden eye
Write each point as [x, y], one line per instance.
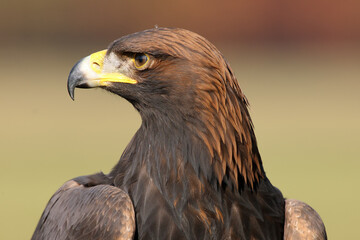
[140, 59]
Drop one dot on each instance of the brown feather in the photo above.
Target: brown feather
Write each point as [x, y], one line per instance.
[193, 169]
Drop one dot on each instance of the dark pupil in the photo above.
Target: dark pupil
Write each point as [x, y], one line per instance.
[140, 59]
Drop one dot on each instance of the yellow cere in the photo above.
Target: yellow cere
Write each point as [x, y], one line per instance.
[97, 61]
[96, 64]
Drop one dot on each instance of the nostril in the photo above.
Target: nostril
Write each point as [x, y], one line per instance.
[96, 66]
[96, 61]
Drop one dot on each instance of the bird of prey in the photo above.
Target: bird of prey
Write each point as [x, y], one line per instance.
[192, 170]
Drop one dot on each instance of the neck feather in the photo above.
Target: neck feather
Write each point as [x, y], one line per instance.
[217, 139]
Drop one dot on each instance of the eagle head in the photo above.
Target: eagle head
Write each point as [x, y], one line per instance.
[178, 78]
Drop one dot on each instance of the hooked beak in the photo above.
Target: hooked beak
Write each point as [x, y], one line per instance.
[88, 73]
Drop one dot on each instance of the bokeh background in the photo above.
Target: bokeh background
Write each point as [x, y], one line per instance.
[297, 62]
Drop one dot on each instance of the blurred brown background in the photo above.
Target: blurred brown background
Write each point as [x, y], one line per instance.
[297, 62]
[237, 21]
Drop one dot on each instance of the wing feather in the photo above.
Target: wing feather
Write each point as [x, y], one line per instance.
[302, 222]
[78, 212]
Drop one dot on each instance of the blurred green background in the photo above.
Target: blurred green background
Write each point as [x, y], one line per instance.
[297, 62]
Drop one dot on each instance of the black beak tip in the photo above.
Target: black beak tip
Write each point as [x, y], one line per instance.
[73, 80]
[71, 87]
[72, 95]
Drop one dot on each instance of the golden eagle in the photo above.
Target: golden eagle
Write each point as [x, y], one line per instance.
[192, 170]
